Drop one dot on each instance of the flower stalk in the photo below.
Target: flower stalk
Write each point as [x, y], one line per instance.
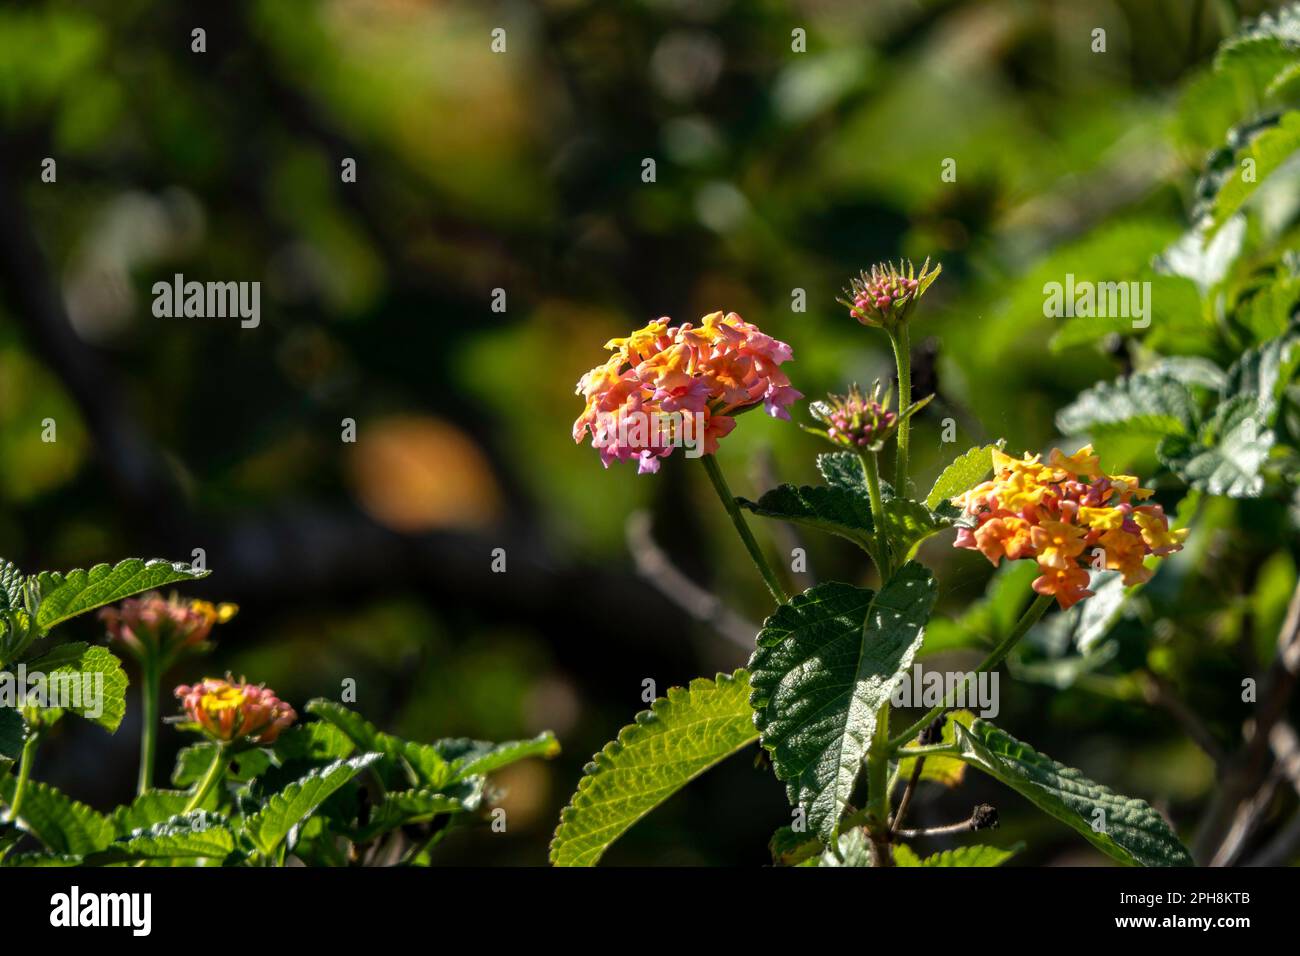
[728, 500]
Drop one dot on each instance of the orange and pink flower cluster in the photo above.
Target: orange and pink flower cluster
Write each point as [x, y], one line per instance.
[227, 710]
[1068, 516]
[665, 382]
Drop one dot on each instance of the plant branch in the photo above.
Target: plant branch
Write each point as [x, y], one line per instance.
[999, 653]
[900, 340]
[653, 564]
[215, 771]
[983, 817]
[746, 536]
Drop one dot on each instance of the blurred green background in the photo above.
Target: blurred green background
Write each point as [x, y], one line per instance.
[776, 171]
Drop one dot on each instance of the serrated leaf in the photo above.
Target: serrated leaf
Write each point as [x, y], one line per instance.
[65, 595]
[318, 740]
[289, 807]
[907, 523]
[1140, 403]
[195, 835]
[678, 738]
[1203, 258]
[959, 856]
[825, 664]
[1264, 372]
[64, 825]
[12, 582]
[855, 851]
[469, 758]
[417, 763]
[831, 508]
[402, 807]
[88, 681]
[153, 807]
[1267, 152]
[19, 860]
[842, 469]
[1129, 830]
[1228, 453]
[966, 471]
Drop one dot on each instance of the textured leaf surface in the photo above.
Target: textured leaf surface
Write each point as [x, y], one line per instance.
[842, 469]
[1129, 830]
[1265, 372]
[13, 734]
[1155, 404]
[416, 806]
[959, 856]
[966, 471]
[153, 807]
[907, 523]
[676, 740]
[468, 758]
[64, 596]
[1268, 151]
[1228, 454]
[64, 825]
[198, 834]
[417, 764]
[832, 508]
[820, 675]
[855, 851]
[93, 679]
[286, 809]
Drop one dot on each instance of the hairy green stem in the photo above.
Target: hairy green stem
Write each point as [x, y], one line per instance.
[998, 654]
[24, 775]
[742, 528]
[900, 339]
[877, 809]
[150, 679]
[881, 555]
[214, 774]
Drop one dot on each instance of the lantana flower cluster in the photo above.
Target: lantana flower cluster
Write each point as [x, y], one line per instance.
[887, 294]
[1065, 514]
[228, 710]
[856, 420]
[668, 385]
[152, 623]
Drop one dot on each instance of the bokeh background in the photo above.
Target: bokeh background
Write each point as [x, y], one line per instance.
[776, 170]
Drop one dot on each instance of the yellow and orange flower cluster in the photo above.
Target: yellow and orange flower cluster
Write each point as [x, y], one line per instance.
[1068, 516]
[229, 710]
[669, 386]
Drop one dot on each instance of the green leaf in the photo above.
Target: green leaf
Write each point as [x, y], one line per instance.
[469, 758]
[64, 596]
[12, 582]
[960, 856]
[940, 768]
[1265, 372]
[790, 848]
[153, 807]
[966, 471]
[289, 807]
[402, 807]
[318, 740]
[907, 523]
[86, 680]
[855, 851]
[193, 762]
[1228, 454]
[825, 663]
[61, 823]
[1202, 258]
[416, 763]
[831, 508]
[13, 734]
[842, 469]
[1268, 151]
[669, 745]
[1154, 404]
[195, 835]
[1125, 829]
